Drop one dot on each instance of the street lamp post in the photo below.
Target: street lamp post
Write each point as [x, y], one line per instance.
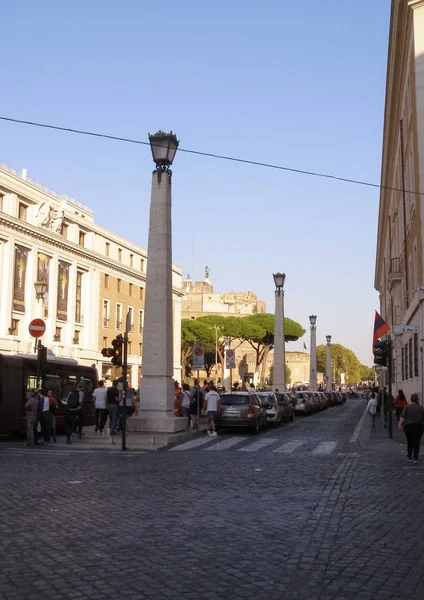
[156, 386]
[328, 383]
[313, 357]
[278, 374]
[40, 292]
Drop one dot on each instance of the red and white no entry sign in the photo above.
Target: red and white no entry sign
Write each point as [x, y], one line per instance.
[37, 327]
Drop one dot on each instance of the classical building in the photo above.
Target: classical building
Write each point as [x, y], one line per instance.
[399, 260]
[199, 299]
[94, 278]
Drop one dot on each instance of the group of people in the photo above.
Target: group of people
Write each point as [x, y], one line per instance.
[189, 402]
[42, 408]
[409, 416]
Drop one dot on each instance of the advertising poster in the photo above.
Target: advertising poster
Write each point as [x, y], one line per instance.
[62, 291]
[43, 273]
[21, 257]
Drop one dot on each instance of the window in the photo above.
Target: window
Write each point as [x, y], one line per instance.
[130, 291]
[129, 347]
[81, 239]
[410, 359]
[119, 317]
[131, 260]
[141, 293]
[120, 254]
[58, 334]
[78, 298]
[105, 342]
[140, 348]
[76, 339]
[22, 211]
[1, 202]
[140, 321]
[406, 361]
[119, 285]
[106, 313]
[14, 327]
[403, 363]
[416, 352]
[142, 264]
[131, 318]
[106, 281]
[65, 230]
[107, 250]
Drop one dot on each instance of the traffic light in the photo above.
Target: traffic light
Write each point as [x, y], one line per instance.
[381, 353]
[117, 344]
[107, 352]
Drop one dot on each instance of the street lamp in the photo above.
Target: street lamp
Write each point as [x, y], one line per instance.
[40, 291]
[313, 357]
[157, 386]
[278, 374]
[328, 383]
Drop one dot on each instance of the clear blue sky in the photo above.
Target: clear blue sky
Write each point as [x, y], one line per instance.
[299, 84]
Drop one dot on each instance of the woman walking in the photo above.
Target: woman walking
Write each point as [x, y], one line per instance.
[400, 403]
[185, 403]
[372, 407]
[412, 421]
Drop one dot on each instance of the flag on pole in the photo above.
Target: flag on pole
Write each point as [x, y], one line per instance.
[380, 327]
[304, 345]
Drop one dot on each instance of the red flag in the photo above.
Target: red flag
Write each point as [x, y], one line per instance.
[380, 327]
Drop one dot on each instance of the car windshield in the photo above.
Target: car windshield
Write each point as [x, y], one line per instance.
[267, 401]
[234, 400]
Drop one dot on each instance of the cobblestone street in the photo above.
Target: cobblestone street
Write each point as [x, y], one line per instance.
[345, 523]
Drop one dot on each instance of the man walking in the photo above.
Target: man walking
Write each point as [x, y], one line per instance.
[197, 397]
[112, 396]
[212, 405]
[73, 403]
[99, 396]
[31, 408]
[44, 414]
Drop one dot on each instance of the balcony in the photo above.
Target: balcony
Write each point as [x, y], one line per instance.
[106, 321]
[395, 273]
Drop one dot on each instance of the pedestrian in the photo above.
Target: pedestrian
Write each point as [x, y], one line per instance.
[386, 402]
[185, 403]
[31, 409]
[412, 421]
[252, 389]
[80, 413]
[44, 415]
[197, 397]
[212, 405]
[243, 387]
[205, 386]
[53, 408]
[99, 396]
[112, 396]
[400, 403]
[178, 396]
[73, 403]
[372, 407]
[130, 396]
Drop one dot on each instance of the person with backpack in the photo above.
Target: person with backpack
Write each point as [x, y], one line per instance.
[372, 407]
[73, 404]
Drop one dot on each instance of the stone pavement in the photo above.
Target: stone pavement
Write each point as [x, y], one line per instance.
[215, 525]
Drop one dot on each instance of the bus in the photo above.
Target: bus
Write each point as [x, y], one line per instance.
[18, 373]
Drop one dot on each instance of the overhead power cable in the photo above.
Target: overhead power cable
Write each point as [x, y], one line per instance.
[211, 155]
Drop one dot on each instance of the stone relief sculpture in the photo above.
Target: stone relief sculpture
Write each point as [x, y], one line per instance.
[49, 217]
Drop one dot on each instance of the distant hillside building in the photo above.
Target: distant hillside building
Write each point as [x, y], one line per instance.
[199, 299]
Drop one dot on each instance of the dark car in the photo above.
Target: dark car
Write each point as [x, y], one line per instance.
[240, 409]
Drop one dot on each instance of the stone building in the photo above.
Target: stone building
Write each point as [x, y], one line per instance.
[199, 299]
[399, 259]
[94, 278]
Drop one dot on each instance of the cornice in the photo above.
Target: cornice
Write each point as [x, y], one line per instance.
[414, 4]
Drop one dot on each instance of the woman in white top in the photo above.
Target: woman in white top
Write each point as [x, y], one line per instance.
[185, 403]
[372, 407]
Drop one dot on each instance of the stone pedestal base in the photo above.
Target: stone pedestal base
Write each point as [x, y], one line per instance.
[156, 422]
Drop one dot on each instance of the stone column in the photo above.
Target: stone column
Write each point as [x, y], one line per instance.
[313, 360]
[226, 373]
[156, 386]
[278, 374]
[328, 383]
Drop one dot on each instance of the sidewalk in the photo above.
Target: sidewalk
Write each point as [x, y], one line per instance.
[377, 439]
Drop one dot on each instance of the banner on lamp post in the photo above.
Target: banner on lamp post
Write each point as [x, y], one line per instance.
[198, 358]
[230, 359]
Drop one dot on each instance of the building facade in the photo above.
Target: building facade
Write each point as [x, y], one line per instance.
[199, 299]
[94, 278]
[399, 259]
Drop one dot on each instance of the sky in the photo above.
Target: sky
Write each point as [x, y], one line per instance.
[296, 84]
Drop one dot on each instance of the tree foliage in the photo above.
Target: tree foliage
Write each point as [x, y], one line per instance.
[368, 373]
[343, 360]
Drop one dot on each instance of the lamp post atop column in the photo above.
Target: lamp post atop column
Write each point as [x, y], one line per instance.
[328, 382]
[278, 374]
[40, 292]
[156, 386]
[313, 357]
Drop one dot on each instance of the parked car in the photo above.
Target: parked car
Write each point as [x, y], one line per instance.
[274, 408]
[239, 409]
[322, 400]
[303, 405]
[313, 401]
[331, 400]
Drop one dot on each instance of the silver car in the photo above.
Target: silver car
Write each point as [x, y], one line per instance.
[274, 409]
